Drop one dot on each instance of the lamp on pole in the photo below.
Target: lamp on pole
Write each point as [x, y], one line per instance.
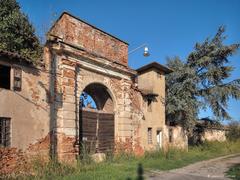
[146, 50]
[145, 53]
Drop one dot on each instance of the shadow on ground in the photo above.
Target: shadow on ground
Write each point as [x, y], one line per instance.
[140, 173]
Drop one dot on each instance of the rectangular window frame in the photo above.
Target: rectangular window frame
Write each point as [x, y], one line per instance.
[5, 132]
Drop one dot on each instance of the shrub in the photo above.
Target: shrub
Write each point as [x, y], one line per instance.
[233, 133]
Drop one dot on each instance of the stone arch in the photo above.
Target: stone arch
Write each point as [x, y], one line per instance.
[90, 87]
[97, 125]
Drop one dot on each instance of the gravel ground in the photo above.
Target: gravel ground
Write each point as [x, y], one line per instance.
[210, 169]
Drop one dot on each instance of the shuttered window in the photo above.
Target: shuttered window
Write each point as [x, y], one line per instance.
[4, 132]
[17, 79]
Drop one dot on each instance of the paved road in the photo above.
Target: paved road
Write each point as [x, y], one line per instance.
[211, 169]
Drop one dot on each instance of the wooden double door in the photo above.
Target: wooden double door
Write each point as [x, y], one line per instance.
[96, 131]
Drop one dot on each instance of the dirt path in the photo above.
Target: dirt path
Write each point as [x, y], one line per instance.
[210, 169]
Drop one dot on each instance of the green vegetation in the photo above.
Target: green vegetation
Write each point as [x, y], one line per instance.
[202, 81]
[234, 172]
[233, 131]
[127, 166]
[17, 34]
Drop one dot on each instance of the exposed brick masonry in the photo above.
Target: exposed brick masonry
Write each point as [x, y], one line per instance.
[78, 33]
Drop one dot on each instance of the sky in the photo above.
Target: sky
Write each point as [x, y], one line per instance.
[168, 27]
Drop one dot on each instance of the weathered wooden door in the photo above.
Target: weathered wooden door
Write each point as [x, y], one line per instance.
[96, 130]
[87, 130]
[105, 132]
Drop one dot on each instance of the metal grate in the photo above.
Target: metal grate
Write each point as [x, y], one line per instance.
[4, 132]
[150, 136]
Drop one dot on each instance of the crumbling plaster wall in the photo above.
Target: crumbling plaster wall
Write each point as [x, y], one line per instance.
[28, 108]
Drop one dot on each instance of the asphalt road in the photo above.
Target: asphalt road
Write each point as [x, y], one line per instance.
[210, 169]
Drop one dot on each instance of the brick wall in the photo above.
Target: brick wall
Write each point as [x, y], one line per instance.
[10, 160]
[15, 160]
[79, 33]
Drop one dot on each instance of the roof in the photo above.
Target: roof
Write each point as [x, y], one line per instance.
[154, 65]
[14, 56]
[209, 123]
[146, 92]
[87, 24]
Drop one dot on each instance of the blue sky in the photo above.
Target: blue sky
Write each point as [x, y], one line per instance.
[169, 27]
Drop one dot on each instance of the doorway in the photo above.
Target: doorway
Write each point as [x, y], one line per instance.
[96, 119]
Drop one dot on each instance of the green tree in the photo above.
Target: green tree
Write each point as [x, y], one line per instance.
[201, 81]
[16, 32]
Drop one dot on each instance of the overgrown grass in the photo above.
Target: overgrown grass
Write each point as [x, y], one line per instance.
[126, 166]
[234, 172]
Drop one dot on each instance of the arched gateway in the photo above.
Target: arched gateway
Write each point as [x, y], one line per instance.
[96, 119]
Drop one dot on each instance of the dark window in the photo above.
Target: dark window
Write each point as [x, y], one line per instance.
[170, 135]
[150, 136]
[149, 105]
[17, 79]
[4, 132]
[5, 77]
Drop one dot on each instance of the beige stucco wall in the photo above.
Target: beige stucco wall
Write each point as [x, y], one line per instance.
[154, 82]
[214, 135]
[28, 108]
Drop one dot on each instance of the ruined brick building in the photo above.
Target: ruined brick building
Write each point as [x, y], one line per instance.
[41, 108]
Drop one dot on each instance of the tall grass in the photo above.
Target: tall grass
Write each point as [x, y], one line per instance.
[128, 166]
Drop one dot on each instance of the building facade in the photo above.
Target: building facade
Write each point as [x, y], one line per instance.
[47, 109]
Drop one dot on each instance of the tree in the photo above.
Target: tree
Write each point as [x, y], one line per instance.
[16, 32]
[200, 81]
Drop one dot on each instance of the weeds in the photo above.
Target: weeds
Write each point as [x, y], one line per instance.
[234, 172]
[126, 165]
